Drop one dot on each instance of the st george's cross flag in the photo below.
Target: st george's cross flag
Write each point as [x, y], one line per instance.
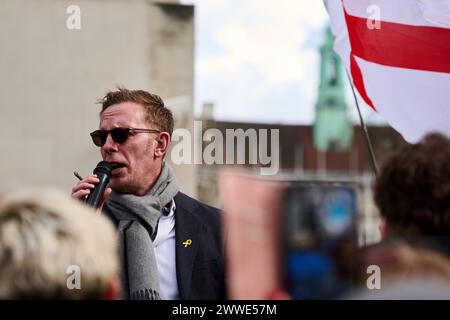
[398, 55]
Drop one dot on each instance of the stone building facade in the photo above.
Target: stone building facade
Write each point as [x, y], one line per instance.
[53, 71]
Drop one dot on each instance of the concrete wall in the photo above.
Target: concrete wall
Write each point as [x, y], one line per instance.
[51, 77]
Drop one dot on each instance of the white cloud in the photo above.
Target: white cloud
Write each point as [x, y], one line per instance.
[210, 4]
[254, 50]
[306, 11]
[266, 47]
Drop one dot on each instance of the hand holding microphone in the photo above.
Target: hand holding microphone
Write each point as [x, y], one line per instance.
[94, 186]
[103, 171]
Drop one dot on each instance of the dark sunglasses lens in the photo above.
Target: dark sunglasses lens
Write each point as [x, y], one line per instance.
[119, 135]
[99, 137]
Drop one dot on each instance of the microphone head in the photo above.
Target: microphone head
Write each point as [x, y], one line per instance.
[104, 167]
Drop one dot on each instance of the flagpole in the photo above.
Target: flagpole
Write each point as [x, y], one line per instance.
[363, 125]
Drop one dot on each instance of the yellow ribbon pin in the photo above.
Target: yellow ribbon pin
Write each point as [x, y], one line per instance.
[188, 242]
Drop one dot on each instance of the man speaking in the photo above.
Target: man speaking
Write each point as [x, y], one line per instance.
[170, 244]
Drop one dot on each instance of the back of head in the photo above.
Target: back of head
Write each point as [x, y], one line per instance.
[412, 191]
[47, 240]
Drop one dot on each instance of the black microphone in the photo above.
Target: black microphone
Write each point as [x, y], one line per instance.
[104, 173]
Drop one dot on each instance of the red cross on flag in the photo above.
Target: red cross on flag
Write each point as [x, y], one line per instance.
[398, 55]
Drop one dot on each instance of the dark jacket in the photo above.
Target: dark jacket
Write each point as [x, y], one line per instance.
[199, 265]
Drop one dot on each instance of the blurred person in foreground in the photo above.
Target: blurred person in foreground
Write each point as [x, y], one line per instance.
[52, 247]
[405, 271]
[170, 244]
[412, 194]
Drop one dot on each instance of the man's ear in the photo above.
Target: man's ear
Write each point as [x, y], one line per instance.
[162, 144]
[383, 227]
[112, 290]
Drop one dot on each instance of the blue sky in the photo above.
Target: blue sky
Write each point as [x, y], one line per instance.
[257, 60]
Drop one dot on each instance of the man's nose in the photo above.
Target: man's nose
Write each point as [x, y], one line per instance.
[110, 145]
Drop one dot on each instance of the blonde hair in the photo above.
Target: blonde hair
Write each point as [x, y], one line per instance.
[43, 234]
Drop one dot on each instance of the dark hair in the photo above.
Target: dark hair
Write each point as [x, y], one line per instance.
[413, 189]
[156, 114]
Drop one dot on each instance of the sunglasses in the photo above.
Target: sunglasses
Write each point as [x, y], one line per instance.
[119, 135]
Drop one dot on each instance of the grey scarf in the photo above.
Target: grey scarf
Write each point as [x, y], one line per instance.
[138, 218]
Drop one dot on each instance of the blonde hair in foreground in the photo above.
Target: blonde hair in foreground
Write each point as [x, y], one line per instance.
[43, 234]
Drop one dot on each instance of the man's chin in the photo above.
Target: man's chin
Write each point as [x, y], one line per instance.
[119, 186]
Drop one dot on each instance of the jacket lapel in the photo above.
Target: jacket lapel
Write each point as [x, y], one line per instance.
[187, 229]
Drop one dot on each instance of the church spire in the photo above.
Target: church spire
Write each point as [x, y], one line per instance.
[332, 128]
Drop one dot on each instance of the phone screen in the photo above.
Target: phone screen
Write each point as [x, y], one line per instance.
[319, 240]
